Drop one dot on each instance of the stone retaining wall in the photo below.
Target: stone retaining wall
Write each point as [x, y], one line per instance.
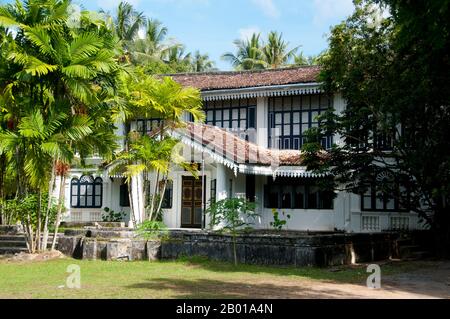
[291, 250]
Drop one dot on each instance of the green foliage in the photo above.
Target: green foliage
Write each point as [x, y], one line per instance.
[255, 54]
[232, 215]
[278, 223]
[151, 230]
[393, 72]
[112, 216]
[28, 207]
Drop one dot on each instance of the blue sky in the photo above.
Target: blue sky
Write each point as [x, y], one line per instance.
[211, 25]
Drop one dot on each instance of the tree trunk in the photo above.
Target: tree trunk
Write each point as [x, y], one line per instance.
[61, 199]
[234, 249]
[51, 188]
[3, 218]
[153, 203]
[130, 198]
[39, 221]
[161, 194]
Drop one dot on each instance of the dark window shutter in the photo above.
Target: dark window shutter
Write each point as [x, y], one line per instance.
[124, 198]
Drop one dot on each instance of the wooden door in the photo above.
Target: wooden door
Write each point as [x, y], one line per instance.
[191, 202]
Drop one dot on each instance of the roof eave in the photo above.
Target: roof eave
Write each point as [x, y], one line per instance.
[263, 91]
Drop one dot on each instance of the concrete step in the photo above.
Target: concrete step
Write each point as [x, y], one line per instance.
[12, 243]
[12, 250]
[12, 237]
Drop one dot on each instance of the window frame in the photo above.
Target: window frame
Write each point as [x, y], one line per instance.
[374, 197]
[281, 184]
[79, 183]
[292, 140]
[238, 105]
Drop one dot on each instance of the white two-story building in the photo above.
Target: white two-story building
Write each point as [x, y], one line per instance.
[248, 147]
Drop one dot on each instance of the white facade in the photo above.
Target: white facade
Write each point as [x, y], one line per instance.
[346, 214]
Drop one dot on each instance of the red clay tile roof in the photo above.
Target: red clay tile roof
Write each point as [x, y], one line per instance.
[245, 79]
[238, 150]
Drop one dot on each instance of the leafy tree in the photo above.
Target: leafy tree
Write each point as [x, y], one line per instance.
[393, 73]
[61, 74]
[232, 215]
[165, 100]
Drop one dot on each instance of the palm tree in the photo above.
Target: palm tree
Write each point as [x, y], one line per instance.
[166, 100]
[128, 22]
[44, 141]
[156, 32]
[72, 70]
[302, 60]
[249, 54]
[276, 52]
[178, 58]
[153, 47]
[254, 54]
[202, 63]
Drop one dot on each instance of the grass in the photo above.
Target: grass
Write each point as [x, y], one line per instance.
[185, 278]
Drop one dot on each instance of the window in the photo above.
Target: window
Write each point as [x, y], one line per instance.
[124, 196]
[232, 114]
[86, 192]
[375, 199]
[250, 187]
[286, 193]
[291, 116]
[213, 190]
[147, 125]
[168, 196]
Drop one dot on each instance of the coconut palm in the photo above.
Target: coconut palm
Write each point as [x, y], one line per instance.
[249, 54]
[128, 22]
[153, 47]
[201, 62]
[276, 53]
[302, 60]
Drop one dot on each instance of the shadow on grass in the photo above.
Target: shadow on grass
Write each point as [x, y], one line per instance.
[340, 274]
[216, 289]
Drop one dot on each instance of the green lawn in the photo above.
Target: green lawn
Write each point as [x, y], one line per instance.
[194, 278]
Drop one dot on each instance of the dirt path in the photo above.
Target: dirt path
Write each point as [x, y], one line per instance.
[427, 283]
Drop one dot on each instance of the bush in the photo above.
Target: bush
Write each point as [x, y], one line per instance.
[112, 216]
[151, 230]
[277, 222]
[16, 210]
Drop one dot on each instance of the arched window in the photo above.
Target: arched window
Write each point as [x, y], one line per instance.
[86, 192]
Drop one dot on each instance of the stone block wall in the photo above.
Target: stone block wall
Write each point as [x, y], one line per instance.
[287, 250]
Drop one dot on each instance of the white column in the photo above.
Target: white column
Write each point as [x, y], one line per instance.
[137, 197]
[262, 121]
[221, 182]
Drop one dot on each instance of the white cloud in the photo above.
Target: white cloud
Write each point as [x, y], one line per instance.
[327, 10]
[246, 33]
[268, 8]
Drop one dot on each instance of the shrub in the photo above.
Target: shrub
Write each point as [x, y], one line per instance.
[112, 216]
[151, 230]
